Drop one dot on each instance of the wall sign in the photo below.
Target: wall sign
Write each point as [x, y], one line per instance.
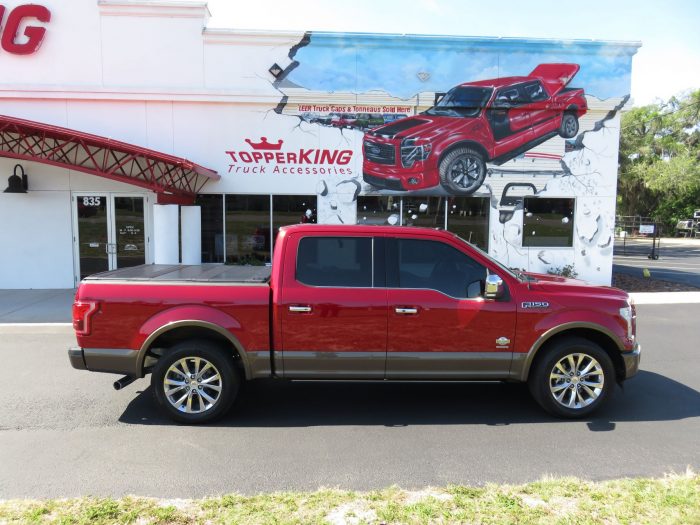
[11, 40]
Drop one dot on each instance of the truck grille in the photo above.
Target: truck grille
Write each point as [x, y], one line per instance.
[380, 153]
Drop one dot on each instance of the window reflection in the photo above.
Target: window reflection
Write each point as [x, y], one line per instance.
[468, 217]
[424, 211]
[378, 210]
[247, 229]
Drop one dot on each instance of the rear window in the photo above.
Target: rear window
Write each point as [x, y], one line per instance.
[335, 261]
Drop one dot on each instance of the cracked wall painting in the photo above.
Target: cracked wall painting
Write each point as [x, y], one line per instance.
[509, 121]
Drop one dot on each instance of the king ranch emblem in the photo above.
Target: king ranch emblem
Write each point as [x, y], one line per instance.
[270, 157]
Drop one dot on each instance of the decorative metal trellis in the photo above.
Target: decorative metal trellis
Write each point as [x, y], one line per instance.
[173, 178]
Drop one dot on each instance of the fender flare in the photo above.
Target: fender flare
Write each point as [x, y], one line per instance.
[526, 362]
[184, 323]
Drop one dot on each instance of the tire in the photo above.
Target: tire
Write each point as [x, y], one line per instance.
[213, 378]
[569, 126]
[462, 171]
[577, 395]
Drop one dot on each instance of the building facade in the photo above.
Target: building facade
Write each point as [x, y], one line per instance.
[146, 136]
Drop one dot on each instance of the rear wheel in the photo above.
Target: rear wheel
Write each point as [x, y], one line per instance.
[569, 126]
[195, 382]
[573, 379]
[462, 171]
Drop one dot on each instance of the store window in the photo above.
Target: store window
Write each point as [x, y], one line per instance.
[468, 217]
[424, 211]
[247, 229]
[292, 209]
[212, 227]
[378, 210]
[548, 222]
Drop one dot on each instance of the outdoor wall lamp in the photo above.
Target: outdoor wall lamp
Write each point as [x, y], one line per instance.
[17, 183]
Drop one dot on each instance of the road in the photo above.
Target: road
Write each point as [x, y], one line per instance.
[679, 259]
[67, 433]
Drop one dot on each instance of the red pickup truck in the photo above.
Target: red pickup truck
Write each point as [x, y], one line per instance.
[354, 302]
[472, 124]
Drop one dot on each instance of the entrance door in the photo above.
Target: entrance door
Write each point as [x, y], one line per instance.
[109, 232]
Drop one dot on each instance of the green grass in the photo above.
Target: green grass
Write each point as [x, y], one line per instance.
[673, 499]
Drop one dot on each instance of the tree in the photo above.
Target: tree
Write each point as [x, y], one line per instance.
[660, 160]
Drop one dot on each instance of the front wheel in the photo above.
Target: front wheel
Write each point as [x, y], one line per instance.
[462, 171]
[573, 379]
[195, 382]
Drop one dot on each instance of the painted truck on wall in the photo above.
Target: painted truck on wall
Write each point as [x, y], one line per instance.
[474, 123]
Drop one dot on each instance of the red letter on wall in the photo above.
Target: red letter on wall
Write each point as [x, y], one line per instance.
[35, 35]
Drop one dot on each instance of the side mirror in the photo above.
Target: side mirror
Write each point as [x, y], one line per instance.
[494, 287]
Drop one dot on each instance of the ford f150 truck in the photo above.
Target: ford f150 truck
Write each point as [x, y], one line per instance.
[354, 302]
[474, 123]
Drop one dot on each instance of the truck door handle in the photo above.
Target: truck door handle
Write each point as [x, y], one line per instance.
[406, 311]
[300, 309]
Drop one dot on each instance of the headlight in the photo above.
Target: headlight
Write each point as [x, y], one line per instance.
[413, 150]
[628, 314]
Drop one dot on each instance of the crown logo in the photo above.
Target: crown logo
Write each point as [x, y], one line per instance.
[265, 145]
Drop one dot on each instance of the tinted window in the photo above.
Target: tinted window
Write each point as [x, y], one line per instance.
[437, 266]
[335, 261]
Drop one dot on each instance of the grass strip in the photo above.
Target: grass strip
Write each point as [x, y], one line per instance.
[673, 499]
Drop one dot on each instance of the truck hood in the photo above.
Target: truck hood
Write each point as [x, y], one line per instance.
[566, 286]
[425, 126]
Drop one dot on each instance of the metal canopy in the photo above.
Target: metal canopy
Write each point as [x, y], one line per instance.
[173, 178]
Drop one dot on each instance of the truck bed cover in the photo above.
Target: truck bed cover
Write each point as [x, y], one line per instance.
[212, 273]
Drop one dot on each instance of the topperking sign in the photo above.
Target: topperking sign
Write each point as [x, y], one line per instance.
[12, 20]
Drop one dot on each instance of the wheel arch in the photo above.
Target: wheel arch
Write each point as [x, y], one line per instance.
[465, 143]
[177, 331]
[589, 331]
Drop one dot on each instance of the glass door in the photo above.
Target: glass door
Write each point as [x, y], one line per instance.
[110, 232]
[129, 231]
[92, 239]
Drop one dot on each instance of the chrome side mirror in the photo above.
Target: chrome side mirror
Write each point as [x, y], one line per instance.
[494, 287]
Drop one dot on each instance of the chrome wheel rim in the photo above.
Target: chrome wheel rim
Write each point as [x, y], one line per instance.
[576, 381]
[192, 385]
[465, 172]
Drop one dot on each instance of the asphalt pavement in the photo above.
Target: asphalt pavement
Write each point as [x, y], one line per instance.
[678, 259]
[65, 432]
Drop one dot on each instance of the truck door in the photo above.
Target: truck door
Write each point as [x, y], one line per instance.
[333, 308]
[440, 326]
[509, 118]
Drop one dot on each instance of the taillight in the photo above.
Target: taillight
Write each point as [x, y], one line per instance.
[82, 314]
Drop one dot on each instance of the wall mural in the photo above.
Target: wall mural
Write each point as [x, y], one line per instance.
[453, 117]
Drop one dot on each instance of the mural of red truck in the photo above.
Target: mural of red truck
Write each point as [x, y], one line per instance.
[487, 121]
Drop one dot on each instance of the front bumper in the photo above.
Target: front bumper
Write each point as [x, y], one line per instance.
[112, 360]
[631, 360]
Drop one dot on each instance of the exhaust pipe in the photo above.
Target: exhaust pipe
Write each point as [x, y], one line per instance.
[123, 382]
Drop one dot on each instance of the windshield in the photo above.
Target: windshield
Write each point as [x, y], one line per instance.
[462, 101]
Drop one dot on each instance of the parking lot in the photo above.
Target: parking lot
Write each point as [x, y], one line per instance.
[65, 432]
[678, 259]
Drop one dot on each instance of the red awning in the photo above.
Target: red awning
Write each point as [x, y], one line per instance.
[169, 176]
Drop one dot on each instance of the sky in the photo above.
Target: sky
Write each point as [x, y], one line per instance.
[667, 64]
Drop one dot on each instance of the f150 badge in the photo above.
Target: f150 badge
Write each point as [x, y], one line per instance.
[535, 304]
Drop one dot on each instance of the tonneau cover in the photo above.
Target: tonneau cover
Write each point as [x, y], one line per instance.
[219, 273]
